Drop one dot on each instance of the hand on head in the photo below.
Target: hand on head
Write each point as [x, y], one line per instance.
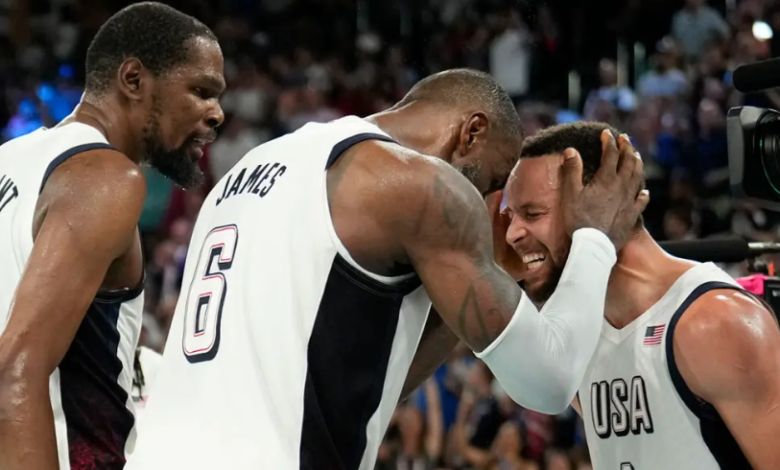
[614, 199]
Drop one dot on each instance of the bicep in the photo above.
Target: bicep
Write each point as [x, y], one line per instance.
[83, 231]
[750, 405]
[733, 362]
[452, 253]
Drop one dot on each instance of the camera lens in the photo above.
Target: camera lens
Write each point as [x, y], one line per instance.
[768, 148]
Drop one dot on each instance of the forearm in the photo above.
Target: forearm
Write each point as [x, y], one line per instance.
[27, 437]
[540, 358]
[435, 346]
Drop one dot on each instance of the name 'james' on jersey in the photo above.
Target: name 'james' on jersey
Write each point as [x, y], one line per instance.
[637, 410]
[283, 352]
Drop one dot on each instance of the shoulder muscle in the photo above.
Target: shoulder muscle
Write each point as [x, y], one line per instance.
[98, 189]
[728, 343]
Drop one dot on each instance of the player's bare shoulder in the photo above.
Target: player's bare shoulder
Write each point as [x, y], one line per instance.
[722, 339]
[101, 181]
[402, 196]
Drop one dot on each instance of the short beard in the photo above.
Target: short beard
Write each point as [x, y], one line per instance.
[542, 294]
[471, 171]
[176, 164]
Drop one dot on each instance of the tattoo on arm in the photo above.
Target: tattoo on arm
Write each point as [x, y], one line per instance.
[461, 220]
[453, 253]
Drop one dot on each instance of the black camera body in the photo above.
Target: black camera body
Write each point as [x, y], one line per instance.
[754, 155]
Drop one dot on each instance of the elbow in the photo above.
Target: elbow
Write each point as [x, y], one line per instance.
[18, 382]
[550, 394]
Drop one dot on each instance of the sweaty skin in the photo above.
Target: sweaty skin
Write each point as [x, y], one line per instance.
[86, 236]
[440, 225]
[726, 346]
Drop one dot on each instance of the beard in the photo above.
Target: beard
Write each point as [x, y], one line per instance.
[540, 292]
[471, 171]
[175, 164]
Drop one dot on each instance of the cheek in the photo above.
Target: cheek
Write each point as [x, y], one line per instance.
[556, 241]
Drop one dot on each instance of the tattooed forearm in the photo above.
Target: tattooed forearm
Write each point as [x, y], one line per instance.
[484, 312]
[453, 254]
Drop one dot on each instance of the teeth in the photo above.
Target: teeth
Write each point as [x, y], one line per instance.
[535, 264]
[533, 257]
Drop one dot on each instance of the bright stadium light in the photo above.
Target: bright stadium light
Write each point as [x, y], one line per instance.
[762, 31]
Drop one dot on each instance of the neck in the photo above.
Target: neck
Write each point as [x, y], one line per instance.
[106, 114]
[414, 126]
[642, 275]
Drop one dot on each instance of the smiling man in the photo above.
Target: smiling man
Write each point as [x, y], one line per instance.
[687, 372]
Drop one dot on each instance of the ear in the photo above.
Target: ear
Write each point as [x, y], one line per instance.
[473, 133]
[132, 79]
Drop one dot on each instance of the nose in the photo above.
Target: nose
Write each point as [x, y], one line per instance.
[516, 232]
[215, 117]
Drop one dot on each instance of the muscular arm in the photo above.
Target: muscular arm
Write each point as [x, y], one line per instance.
[435, 346]
[539, 358]
[95, 201]
[727, 348]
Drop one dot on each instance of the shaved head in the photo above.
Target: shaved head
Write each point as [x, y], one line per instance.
[472, 89]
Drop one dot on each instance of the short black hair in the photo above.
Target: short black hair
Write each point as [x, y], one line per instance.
[585, 136]
[472, 88]
[154, 33]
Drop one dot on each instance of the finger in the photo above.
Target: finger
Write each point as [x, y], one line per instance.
[571, 173]
[609, 155]
[627, 157]
[638, 176]
[641, 201]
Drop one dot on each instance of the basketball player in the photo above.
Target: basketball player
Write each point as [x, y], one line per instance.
[70, 198]
[307, 285]
[687, 372]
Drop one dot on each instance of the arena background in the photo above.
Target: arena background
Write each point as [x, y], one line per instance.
[646, 66]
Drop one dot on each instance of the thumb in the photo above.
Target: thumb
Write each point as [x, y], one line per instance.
[572, 172]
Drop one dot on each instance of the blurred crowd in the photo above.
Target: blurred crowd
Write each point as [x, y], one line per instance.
[289, 62]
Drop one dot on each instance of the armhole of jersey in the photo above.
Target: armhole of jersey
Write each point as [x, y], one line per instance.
[61, 158]
[380, 285]
[698, 406]
[102, 296]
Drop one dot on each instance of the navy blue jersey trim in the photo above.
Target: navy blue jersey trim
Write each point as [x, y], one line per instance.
[376, 287]
[61, 158]
[345, 144]
[716, 435]
[697, 406]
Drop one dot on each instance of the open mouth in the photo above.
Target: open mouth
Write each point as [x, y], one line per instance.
[534, 261]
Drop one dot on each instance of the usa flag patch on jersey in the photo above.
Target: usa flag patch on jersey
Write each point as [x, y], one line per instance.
[654, 334]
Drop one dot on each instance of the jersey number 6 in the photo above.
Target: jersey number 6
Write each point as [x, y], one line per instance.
[206, 295]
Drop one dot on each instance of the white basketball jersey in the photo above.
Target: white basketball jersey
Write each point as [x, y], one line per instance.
[283, 353]
[638, 412]
[90, 388]
[145, 369]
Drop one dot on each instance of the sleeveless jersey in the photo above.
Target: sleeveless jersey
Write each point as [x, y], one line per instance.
[90, 388]
[283, 352]
[147, 362]
[638, 412]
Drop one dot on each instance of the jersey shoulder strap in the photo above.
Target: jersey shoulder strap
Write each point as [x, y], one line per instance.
[715, 433]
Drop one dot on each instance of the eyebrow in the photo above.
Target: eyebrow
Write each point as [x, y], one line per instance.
[214, 82]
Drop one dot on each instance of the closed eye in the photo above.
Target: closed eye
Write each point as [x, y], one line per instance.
[205, 94]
